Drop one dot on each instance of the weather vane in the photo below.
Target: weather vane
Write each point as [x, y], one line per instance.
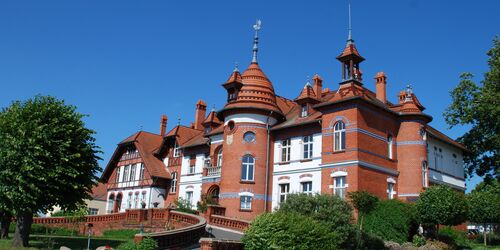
[257, 26]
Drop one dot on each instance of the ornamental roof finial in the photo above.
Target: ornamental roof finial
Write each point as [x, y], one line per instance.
[409, 93]
[257, 26]
[349, 38]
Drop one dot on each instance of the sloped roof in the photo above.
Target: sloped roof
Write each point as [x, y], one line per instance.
[198, 140]
[146, 144]
[293, 119]
[444, 138]
[99, 192]
[212, 118]
[183, 134]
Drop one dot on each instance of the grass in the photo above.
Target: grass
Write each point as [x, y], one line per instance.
[55, 242]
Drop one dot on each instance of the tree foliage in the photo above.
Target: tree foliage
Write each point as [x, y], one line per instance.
[364, 202]
[391, 220]
[478, 106]
[440, 205]
[484, 203]
[47, 158]
[281, 230]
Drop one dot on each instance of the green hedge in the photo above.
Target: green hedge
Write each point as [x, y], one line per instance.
[288, 231]
[44, 230]
[120, 233]
[391, 220]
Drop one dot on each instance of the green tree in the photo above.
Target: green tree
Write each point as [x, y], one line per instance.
[281, 230]
[364, 202]
[47, 158]
[478, 106]
[484, 203]
[440, 205]
[391, 220]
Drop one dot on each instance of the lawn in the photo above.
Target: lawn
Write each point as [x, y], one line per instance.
[55, 242]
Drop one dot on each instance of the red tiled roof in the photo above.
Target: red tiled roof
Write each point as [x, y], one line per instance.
[198, 140]
[99, 192]
[212, 118]
[146, 144]
[183, 134]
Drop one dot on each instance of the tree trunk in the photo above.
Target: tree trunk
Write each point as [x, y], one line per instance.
[23, 228]
[4, 225]
[484, 235]
[361, 223]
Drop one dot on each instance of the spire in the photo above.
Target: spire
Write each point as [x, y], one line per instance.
[236, 67]
[256, 27]
[349, 38]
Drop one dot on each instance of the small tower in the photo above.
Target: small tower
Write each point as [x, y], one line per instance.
[350, 59]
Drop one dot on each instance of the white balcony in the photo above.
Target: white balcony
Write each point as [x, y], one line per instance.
[213, 171]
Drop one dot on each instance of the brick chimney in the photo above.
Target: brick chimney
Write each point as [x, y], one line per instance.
[163, 124]
[380, 86]
[201, 109]
[317, 85]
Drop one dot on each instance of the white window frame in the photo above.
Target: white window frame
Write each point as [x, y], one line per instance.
[247, 168]
[189, 197]
[284, 191]
[129, 200]
[340, 186]
[126, 172]
[303, 111]
[192, 169]
[141, 172]
[246, 202]
[177, 150]
[286, 149]
[307, 147]
[425, 176]
[173, 183]
[390, 190]
[93, 211]
[390, 147]
[339, 141]
[132, 173]
[306, 187]
[117, 179]
[219, 158]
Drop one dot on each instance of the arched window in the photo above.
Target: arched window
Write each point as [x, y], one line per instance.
[219, 157]
[339, 136]
[389, 147]
[173, 183]
[247, 168]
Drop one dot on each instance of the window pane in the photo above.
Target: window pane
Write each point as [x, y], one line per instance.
[244, 172]
[250, 172]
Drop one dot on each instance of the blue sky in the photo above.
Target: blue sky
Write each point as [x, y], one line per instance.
[124, 63]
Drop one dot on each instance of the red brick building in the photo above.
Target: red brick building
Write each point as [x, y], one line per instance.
[261, 147]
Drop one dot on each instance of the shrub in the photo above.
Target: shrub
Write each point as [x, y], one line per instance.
[146, 244]
[324, 208]
[418, 240]
[391, 220]
[453, 238]
[183, 205]
[281, 230]
[364, 202]
[120, 233]
[362, 240]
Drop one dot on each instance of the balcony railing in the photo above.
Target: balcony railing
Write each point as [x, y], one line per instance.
[213, 171]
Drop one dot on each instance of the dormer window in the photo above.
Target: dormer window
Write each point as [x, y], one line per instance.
[232, 95]
[303, 111]
[177, 150]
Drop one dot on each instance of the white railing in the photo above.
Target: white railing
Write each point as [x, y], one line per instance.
[213, 171]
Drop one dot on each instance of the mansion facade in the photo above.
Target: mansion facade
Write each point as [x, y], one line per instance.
[261, 147]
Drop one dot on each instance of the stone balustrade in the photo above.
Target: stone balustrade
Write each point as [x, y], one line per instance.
[226, 222]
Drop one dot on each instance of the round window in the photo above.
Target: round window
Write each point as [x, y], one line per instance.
[249, 136]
